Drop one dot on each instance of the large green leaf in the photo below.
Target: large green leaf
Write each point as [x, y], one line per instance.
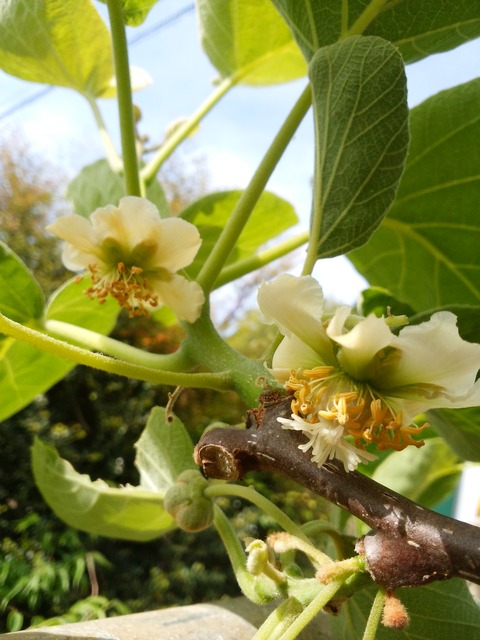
[58, 42]
[130, 513]
[248, 39]
[164, 450]
[21, 297]
[426, 251]
[70, 304]
[460, 428]
[417, 27]
[427, 475]
[361, 128]
[97, 185]
[26, 371]
[440, 611]
[380, 301]
[271, 216]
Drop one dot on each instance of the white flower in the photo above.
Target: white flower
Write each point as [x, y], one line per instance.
[133, 254]
[352, 376]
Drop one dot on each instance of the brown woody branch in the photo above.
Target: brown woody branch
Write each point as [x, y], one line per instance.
[408, 545]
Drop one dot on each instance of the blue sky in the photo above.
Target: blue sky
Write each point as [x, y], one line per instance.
[232, 138]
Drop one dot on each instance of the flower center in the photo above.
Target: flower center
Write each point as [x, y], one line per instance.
[127, 284]
[324, 393]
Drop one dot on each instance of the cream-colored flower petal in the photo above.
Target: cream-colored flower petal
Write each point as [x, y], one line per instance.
[412, 401]
[336, 325]
[433, 353]
[293, 353]
[76, 260]
[129, 224]
[183, 296]
[74, 229]
[295, 305]
[361, 344]
[178, 242]
[81, 248]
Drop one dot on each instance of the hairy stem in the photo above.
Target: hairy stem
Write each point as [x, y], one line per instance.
[279, 620]
[207, 347]
[256, 590]
[124, 98]
[242, 211]
[113, 158]
[312, 609]
[173, 140]
[250, 494]
[39, 340]
[109, 346]
[373, 621]
[260, 259]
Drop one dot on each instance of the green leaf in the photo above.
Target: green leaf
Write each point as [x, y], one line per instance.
[164, 450]
[271, 216]
[441, 610]
[21, 297]
[427, 475]
[70, 304]
[135, 11]
[248, 39]
[129, 513]
[381, 302]
[361, 127]
[417, 29]
[433, 229]
[57, 42]
[97, 186]
[460, 428]
[26, 371]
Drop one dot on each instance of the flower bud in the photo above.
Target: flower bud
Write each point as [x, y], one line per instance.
[186, 502]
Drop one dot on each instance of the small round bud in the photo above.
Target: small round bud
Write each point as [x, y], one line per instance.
[395, 616]
[186, 502]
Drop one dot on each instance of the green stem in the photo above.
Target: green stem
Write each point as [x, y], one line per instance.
[260, 259]
[220, 381]
[312, 257]
[254, 588]
[241, 213]
[250, 494]
[172, 142]
[113, 158]
[314, 527]
[316, 605]
[91, 340]
[124, 98]
[279, 620]
[205, 346]
[362, 22]
[375, 615]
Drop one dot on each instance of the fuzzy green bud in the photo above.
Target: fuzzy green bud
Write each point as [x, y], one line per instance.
[186, 502]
